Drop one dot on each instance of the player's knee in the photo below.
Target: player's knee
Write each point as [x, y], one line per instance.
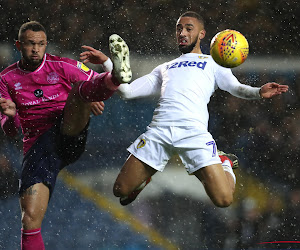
[223, 201]
[120, 189]
[30, 218]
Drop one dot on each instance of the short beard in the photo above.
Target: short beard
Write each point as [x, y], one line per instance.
[29, 63]
[187, 48]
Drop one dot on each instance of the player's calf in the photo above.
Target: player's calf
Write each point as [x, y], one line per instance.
[125, 200]
[229, 162]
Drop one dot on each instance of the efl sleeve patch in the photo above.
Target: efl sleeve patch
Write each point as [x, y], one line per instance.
[83, 67]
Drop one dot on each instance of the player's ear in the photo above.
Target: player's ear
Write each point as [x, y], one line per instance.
[202, 34]
[18, 45]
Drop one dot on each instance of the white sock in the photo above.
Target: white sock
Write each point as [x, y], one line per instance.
[227, 167]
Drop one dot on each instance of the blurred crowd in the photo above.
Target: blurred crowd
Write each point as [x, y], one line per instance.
[149, 26]
[193, 224]
[265, 134]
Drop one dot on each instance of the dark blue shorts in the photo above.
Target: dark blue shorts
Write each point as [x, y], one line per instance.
[50, 153]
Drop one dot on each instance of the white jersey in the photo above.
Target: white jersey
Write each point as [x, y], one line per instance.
[185, 86]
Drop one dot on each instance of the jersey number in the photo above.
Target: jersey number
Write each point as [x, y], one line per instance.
[213, 143]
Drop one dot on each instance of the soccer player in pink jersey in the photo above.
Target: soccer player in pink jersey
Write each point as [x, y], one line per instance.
[51, 98]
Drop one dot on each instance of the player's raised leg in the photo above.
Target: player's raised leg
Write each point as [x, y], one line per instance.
[132, 179]
[78, 105]
[219, 179]
[99, 88]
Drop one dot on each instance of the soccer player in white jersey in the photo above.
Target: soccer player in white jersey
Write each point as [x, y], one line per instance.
[180, 120]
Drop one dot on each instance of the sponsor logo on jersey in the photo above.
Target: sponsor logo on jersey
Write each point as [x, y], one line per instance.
[38, 101]
[38, 93]
[200, 65]
[82, 67]
[141, 144]
[53, 78]
[202, 57]
[18, 86]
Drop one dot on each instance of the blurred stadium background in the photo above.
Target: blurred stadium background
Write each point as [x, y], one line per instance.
[173, 212]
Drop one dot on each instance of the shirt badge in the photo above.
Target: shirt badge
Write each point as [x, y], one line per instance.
[202, 57]
[141, 144]
[53, 78]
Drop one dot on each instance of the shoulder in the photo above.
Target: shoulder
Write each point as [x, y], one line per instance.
[65, 62]
[206, 58]
[58, 59]
[214, 64]
[10, 69]
[216, 68]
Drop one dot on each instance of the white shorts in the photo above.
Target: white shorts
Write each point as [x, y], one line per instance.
[195, 147]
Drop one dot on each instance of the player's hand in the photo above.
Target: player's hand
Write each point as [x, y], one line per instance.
[271, 89]
[8, 107]
[92, 55]
[97, 108]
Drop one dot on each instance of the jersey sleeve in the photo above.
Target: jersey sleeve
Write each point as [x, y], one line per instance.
[145, 86]
[228, 82]
[10, 126]
[4, 93]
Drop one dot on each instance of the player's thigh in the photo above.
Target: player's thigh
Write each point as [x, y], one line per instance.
[76, 113]
[70, 148]
[34, 202]
[215, 183]
[133, 173]
[154, 147]
[196, 148]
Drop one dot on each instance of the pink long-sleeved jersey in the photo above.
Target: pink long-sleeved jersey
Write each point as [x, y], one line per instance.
[40, 96]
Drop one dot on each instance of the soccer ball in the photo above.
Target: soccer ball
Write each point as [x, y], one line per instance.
[229, 48]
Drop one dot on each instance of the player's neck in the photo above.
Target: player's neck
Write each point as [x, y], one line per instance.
[197, 50]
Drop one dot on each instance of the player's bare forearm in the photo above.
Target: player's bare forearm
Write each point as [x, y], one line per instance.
[92, 55]
[272, 89]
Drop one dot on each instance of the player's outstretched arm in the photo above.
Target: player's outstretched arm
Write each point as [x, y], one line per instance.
[92, 55]
[271, 89]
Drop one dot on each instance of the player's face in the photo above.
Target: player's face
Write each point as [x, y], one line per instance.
[189, 32]
[32, 47]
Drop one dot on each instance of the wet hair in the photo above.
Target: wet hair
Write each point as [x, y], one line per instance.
[195, 15]
[32, 25]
